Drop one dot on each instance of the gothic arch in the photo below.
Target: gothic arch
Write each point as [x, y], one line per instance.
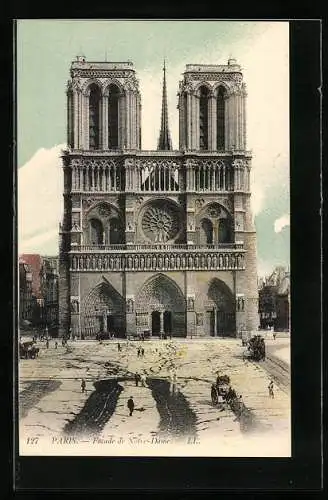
[218, 290]
[160, 292]
[113, 82]
[221, 220]
[221, 309]
[200, 85]
[161, 298]
[92, 81]
[222, 84]
[112, 223]
[102, 302]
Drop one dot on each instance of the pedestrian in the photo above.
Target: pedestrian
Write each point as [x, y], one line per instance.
[274, 334]
[142, 352]
[138, 352]
[56, 344]
[83, 385]
[143, 379]
[137, 378]
[47, 344]
[118, 347]
[240, 405]
[270, 387]
[130, 405]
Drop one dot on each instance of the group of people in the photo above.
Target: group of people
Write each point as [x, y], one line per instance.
[141, 352]
[140, 378]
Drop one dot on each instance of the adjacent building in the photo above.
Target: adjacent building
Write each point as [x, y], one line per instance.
[274, 300]
[25, 292]
[158, 240]
[38, 283]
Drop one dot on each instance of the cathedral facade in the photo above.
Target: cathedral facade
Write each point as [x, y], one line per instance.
[158, 241]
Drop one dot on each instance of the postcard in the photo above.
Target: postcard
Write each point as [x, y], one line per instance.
[153, 223]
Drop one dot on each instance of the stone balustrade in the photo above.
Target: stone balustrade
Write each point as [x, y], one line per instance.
[155, 247]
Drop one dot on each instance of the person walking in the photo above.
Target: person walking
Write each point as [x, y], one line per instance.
[142, 352]
[56, 344]
[137, 378]
[138, 352]
[47, 344]
[270, 387]
[83, 384]
[143, 379]
[130, 405]
[274, 334]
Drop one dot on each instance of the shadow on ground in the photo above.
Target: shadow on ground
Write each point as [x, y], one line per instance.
[97, 410]
[36, 390]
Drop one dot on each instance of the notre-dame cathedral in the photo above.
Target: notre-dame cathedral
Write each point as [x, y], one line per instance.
[158, 241]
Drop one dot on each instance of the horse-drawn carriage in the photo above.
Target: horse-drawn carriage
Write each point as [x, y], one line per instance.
[220, 389]
[27, 350]
[256, 348]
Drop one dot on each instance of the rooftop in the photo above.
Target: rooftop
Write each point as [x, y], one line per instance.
[82, 63]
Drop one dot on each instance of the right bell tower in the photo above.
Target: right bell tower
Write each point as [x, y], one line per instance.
[212, 135]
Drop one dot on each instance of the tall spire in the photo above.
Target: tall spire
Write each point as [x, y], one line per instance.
[164, 140]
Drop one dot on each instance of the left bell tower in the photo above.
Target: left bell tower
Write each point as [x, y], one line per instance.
[103, 127]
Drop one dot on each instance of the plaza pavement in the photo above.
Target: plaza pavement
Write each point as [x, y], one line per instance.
[196, 363]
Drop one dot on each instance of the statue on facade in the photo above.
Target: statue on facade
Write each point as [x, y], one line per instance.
[190, 303]
[129, 306]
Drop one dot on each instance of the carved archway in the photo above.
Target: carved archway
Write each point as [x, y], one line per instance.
[222, 224]
[161, 294]
[103, 309]
[109, 219]
[220, 309]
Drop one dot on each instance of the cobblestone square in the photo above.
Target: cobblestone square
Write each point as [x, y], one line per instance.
[173, 414]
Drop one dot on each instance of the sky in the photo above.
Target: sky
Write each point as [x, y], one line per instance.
[45, 49]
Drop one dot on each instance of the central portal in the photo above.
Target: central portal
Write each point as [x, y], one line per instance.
[161, 299]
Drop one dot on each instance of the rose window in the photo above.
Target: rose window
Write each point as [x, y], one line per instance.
[160, 223]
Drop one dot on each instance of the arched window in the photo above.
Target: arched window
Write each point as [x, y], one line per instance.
[220, 113]
[94, 117]
[207, 232]
[96, 232]
[203, 118]
[113, 98]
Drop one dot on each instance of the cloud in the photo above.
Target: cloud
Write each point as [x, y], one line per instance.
[40, 201]
[282, 222]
